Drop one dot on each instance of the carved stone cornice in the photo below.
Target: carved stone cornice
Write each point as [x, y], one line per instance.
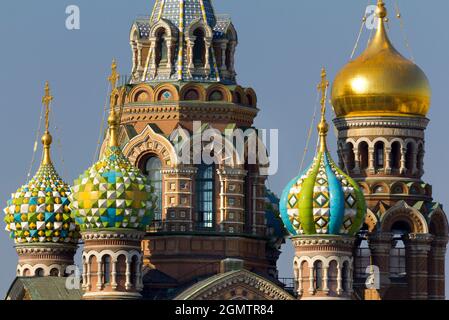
[50, 248]
[418, 123]
[133, 235]
[317, 240]
[232, 172]
[180, 170]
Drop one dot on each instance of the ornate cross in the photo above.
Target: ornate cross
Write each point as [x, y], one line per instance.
[46, 100]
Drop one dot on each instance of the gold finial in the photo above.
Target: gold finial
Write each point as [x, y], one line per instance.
[46, 100]
[323, 127]
[113, 78]
[113, 120]
[47, 138]
[381, 10]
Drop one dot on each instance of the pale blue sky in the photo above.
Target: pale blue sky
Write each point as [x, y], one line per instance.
[283, 45]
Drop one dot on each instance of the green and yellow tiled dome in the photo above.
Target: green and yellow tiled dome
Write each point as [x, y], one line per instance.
[323, 200]
[113, 194]
[39, 211]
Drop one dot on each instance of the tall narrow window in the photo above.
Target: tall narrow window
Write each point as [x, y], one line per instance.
[396, 155]
[398, 258]
[318, 275]
[345, 276]
[106, 269]
[153, 170]
[161, 49]
[363, 150]
[409, 157]
[205, 195]
[199, 49]
[380, 155]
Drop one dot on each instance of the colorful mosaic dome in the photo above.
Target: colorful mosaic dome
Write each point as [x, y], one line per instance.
[39, 211]
[323, 200]
[113, 194]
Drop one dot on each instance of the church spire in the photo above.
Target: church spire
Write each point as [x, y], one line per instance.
[323, 126]
[47, 138]
[113, 120]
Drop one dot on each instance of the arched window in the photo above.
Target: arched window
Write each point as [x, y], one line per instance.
[409, 158]
[318, 275]
[396, 155]
[350, 156]
[217, 95]
[238, 98]
[192, 95]
[106, 269]
[379, 153]
[345, 276]
[398, 266]
[134, 270]
[250, 100]
[363, 150]
[205, 202]
[153, 170]
[420, 158]
[161, 49]
[40, 272]
[54, 272]
[199, 48]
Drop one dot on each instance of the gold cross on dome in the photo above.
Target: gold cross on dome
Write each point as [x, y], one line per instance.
[46, 100]
[322, 87]
[113, 78]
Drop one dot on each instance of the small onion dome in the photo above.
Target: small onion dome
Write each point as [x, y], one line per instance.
[39, 211]
[113, 194]
[381, 82]
[323, 200]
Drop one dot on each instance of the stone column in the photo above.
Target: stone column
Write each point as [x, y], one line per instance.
[190, 44]
[371, 165]
[357, 161]
[403, 168]
[223, 47]
[388, 156]
[232, 199]
[380, 246]
[417, 251]
[436, 270]
[170, 43]
[208, 43]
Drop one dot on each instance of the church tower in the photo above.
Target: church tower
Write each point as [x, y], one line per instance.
[113, 203]
[183, 87]
[323, 209]
[381, 100]
[38, 217]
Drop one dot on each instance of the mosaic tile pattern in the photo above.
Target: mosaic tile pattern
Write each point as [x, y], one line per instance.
[323, 200]
[113, 194]
[181, 14]
[39, 211]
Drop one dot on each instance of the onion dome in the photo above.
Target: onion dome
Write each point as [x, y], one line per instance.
[323, 200]
[113, 194]
[39, 211]
[381, 82]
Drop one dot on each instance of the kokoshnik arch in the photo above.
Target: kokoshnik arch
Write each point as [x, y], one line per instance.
[156, 228]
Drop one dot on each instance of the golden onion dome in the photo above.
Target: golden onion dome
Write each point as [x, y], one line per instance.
[381, 82]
